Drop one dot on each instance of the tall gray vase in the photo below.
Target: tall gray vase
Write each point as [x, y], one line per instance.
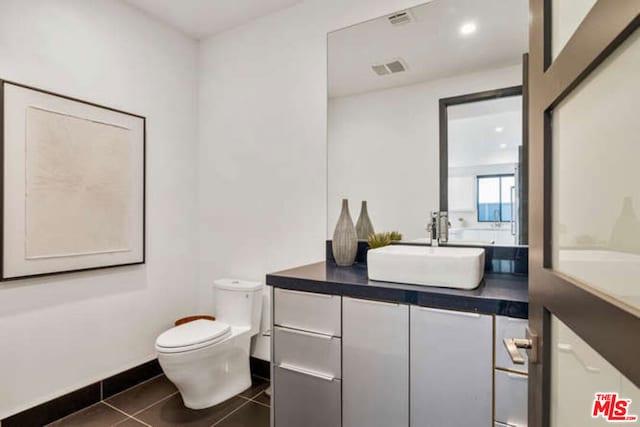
[364, 227]
[345, 239]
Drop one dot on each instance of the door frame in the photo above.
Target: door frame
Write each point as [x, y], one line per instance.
[607, 325]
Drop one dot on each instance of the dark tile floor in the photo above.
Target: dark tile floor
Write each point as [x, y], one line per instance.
[157, 403]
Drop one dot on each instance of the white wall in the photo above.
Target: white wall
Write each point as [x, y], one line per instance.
[61, 333]
[263, 103]
[384, 147]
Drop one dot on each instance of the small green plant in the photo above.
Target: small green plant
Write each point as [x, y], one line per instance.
[378, 240]
[395, 236]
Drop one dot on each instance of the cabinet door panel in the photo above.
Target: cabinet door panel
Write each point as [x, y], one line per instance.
[375, 364]
[511, 398]
[307, 311]
[508, 327]
[451, 368]
[310, 351]
[301, 399]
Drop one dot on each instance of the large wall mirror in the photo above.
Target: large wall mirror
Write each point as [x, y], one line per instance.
[390, 79]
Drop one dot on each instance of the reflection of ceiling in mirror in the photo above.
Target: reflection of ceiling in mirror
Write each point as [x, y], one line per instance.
[432, 46]
[485, 133]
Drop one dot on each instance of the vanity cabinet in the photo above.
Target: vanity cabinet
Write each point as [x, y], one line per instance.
[307, 370]
[451, 368]
[308, 311]
[375, 363]
[511, 380]
[342, 361]
[511, 398]
[509, 327]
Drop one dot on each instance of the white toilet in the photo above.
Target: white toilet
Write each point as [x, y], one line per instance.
[209, 360]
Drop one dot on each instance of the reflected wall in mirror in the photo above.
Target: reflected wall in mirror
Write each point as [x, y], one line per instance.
[482, 154]
[386, 77]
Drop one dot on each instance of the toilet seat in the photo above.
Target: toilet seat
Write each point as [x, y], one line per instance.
[192, 336]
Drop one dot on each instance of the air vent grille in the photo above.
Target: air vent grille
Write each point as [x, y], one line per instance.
[396, 67]
[381, 70]
[392, 67]
[400, 18]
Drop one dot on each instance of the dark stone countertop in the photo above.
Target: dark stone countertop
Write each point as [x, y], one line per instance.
[499, 293]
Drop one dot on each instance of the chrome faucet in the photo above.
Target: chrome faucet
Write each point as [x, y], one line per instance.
[432, 229]
[443, 227]
[438, 228]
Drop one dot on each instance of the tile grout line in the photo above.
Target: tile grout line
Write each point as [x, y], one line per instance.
[129, 417]
[261, 404]
[141, 422]
[255, 399]
[155, 403]
[130, 388]
[231, 413]
[256, 395]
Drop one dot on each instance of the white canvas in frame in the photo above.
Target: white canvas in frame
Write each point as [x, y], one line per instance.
[73, 185]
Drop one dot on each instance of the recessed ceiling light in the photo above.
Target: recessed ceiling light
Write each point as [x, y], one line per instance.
[503, 145]
[468, 28]
[499, 129]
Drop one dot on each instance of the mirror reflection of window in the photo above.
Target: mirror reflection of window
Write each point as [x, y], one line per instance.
[495, 198]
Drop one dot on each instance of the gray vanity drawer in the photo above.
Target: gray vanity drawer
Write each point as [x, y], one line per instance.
[509, 327]
[308, 311]
[310, 351]
[301, 399]
[511, 398]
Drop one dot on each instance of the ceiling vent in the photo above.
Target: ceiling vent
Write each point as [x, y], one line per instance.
[401, 18]
[392, 67]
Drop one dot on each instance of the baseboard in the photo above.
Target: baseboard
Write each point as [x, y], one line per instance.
[69, 403]
[260, 368]
[62, 406]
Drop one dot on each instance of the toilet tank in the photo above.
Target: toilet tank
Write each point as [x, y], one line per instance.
[238, 303]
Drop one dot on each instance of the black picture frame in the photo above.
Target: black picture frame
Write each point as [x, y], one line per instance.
[3, 277]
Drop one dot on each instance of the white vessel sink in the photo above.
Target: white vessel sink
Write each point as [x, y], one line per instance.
[450, 267]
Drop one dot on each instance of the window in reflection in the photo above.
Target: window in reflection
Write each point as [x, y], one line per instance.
[495, 198]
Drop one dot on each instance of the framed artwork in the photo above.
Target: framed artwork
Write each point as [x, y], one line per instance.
[73, 184]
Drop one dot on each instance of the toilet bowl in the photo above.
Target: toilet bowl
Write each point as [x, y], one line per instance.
[207, 360]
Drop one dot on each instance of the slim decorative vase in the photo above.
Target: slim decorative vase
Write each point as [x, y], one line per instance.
[364, 227]
[625, 236]
[345, 239]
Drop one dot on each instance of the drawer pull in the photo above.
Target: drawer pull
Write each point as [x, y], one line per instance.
[304, 371]
[449, 312]
[372, 302]
[306, 334]
[566, 348]
[516, 376]
[306, 294]
[294, 328]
